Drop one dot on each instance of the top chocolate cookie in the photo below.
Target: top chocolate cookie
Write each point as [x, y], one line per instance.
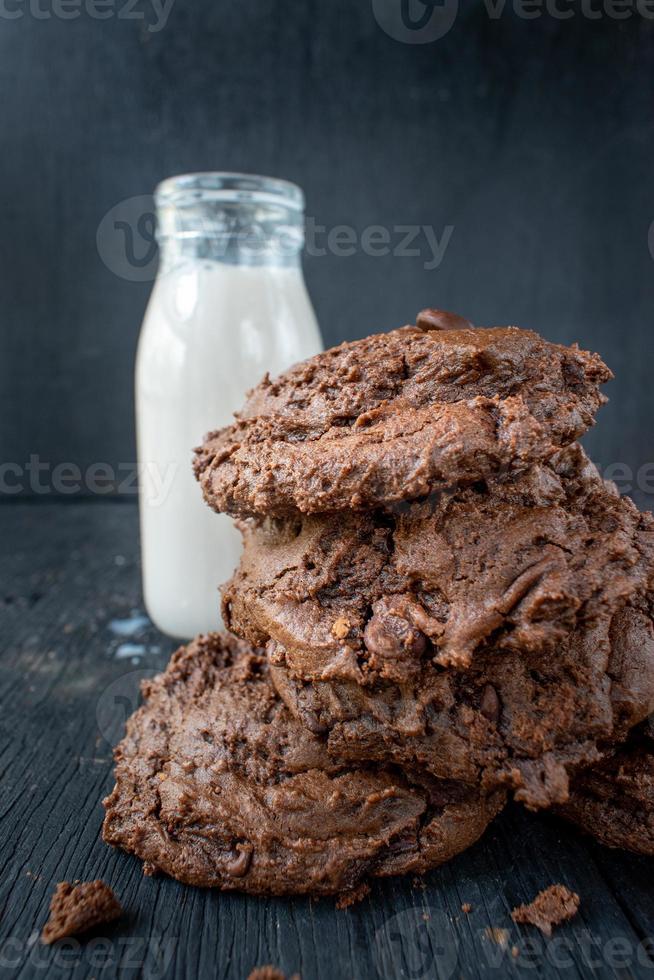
[394, 416]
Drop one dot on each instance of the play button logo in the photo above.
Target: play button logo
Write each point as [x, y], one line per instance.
[415, 21]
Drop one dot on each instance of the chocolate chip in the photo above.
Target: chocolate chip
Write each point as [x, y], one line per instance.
[314, 725]
[241, 863]
[395, 645]
[490, 706]
[391, 637]
[441, 320]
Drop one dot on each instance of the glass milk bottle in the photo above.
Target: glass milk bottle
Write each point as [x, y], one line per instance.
[229, 304]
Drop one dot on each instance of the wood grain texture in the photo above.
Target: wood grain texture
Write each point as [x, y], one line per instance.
[67, 572]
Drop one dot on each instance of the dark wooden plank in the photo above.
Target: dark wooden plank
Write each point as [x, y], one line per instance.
[68, 572]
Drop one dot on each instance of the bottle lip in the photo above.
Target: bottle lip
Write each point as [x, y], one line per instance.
[186, 190]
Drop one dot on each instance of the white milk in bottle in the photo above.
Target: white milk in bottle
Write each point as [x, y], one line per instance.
[229, 304]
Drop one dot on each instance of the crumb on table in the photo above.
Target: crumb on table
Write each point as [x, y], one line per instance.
[269, 972]
[550, 908]
[498, 935]
[76, 908]
[353, 896]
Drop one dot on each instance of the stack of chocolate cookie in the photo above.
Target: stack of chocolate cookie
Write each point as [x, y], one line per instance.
[440, 602]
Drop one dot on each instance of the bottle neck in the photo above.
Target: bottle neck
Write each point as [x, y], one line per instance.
[249, 250]
[229, 218]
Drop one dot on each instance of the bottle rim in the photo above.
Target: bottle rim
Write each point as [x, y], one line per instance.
[190, 189]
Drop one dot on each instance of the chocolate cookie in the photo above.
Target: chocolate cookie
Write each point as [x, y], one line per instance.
[398, 415]
[496, 632]
[614, 801]
[217, 784]
[522, 721]
[517, 563]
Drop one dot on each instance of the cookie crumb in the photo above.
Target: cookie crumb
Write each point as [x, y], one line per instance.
[270, 973]
[498, 935]
[77, 908]
[550, 908]
[467, 908]
[341, 628]
[352, 896]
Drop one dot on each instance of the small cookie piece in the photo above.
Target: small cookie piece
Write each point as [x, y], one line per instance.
[76, 908]
[396, 416]
[218, 785]
[352, 897]
[267, 972]
[614, 800]
[550, 908]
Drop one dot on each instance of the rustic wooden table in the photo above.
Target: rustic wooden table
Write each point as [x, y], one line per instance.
[75, 644]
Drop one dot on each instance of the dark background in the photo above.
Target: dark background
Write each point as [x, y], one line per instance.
[533, 138]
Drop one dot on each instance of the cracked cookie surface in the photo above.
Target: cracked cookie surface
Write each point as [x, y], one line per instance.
[395, 416]
[512, 720]
[614, 801]
[496, 632]
[517, 563]
[217, 784]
